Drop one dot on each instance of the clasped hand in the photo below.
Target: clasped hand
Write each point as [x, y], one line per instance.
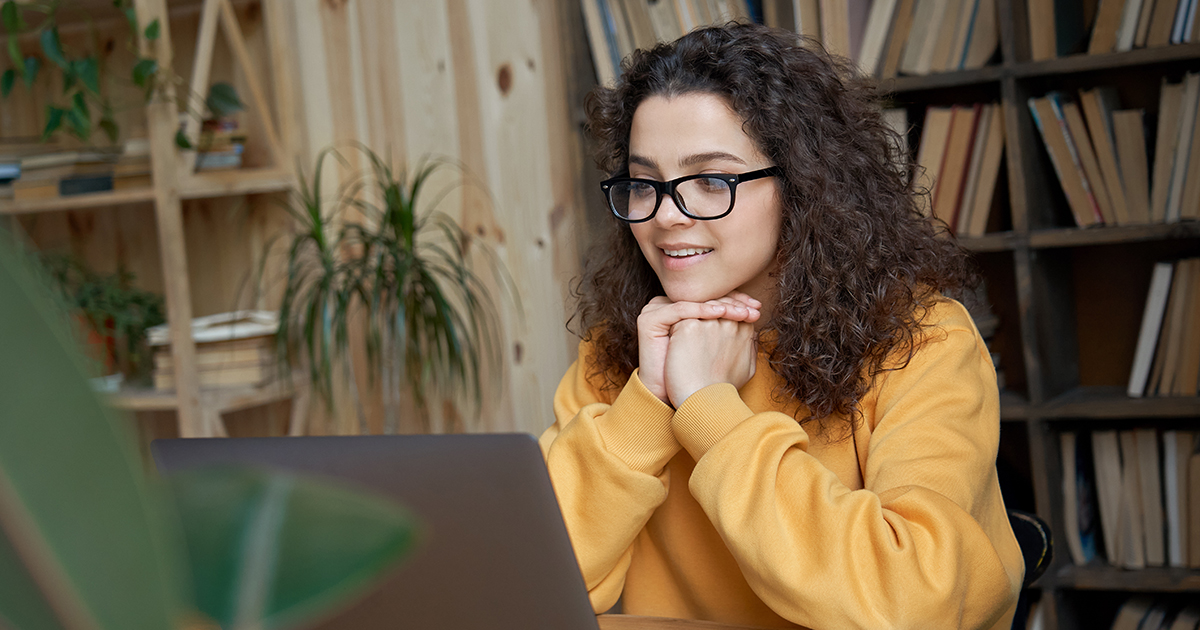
[684, 347]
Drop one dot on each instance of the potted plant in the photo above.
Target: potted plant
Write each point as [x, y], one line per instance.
[87, 539]
[113, 314]
[431, 324]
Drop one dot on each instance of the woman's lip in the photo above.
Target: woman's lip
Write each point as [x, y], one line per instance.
[673, 263]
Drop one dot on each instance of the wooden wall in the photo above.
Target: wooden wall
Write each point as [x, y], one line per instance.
[482, 82]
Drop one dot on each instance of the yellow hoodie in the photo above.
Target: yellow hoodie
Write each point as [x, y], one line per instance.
[727, 510]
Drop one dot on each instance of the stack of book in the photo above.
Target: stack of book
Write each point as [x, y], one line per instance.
[221, 145]
[960, 154]
[48, 172]
[1099, 155]
[1132, 496]
[1142, 612]
[1065, 27]
[1166, 361]
[617, 27]
[914, 37]
[232, 349]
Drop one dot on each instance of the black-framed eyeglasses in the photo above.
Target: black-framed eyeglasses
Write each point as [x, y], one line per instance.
[703, 197]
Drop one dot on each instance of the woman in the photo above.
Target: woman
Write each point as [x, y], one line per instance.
[777, 418]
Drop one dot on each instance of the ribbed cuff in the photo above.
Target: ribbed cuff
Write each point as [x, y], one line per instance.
[637, 428]
[707, 416]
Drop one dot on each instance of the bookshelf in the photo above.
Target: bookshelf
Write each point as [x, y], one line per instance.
[1069, 299]
[176, 212]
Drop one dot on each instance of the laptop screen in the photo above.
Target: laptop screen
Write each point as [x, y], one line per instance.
[494, 551]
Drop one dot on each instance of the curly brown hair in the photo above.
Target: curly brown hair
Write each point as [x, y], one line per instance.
[858, 265]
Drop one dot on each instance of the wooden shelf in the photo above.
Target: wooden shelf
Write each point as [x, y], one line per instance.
[1092, 63]
[994, 242]
[1113, 403]
[941, 80]
[1013, 406]
[1101, 577]
[243, 181]
[223, 399]
[78, 202]
[1079, 237]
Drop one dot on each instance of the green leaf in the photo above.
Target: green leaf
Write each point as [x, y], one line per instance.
[109, 125]
[267, 549]
[79, 119]
[181, 140]
[14, 51]
[52, 47]
[152, 30]
[13, 23]
[131, 17]
[32, 65]
[88, 70]
[6, 81]
[98, 474]
[223, 100]
[54, 117]
[143, 71]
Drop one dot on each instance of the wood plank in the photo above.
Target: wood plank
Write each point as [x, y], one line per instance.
[162, 122]
[1112, 402]
[78, 202]
[1102, 235]
[233, 35]
[1101, 577]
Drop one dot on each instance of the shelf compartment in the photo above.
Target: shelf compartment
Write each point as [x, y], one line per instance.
[1014, 406]
[1079, 237]
[78, 202]
[1113, 403]
[1102, 577]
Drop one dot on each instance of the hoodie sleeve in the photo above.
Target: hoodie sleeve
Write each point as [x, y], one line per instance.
[607, 457]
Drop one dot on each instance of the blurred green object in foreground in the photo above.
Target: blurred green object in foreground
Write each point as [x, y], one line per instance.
[87, 541]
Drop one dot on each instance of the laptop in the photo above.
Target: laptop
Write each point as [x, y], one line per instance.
[494, 553]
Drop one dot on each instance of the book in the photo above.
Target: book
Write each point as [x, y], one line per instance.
[1177, 448]
[971, 182]
[952, 174]
[962, 34]
[944, 35]
[897, 38]
[1132, 541]
[1143, 24]
[1087, 158]
[1131, 613]
[1193, 508]
[1189, 342]
[1098, 105]
[984, 37]
[1106, 457]
[835, 26]
[1130, 138]
[1127, 32]
[989, 174]
[1152, 320]
[1104, 31]
[1183, 147]
[1048, 117]
[1182, 20]
[1187, 619]
[226, 377]
[1042, 44]
[808, 18]
[880, 19]
[664, 19]
[896, 118]
[216, 354]
[1150, 478]
[1162, 375]
[931, 152]
[1078, 500]
[1170, 103]
[918, 51]
[1162, 22]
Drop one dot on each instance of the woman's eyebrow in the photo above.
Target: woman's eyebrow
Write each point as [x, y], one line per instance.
[712, 156]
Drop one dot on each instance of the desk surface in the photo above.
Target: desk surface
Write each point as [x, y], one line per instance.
[634, 622]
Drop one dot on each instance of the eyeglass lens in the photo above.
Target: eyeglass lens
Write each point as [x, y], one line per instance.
[701, 197]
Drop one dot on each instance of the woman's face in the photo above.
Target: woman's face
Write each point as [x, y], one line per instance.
[704, 260]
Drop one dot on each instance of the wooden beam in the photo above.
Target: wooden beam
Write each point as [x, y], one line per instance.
[162, 122]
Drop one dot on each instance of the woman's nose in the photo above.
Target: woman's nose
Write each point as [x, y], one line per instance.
[669, 214]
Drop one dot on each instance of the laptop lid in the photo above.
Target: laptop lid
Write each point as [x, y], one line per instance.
[494, 553]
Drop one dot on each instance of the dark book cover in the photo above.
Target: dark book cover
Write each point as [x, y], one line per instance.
[85, 184]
